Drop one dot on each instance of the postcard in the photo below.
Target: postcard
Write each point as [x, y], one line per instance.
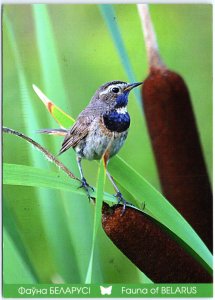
[107, 150]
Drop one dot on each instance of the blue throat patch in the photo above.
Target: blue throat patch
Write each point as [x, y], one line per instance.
[122, 100]
[115, 121]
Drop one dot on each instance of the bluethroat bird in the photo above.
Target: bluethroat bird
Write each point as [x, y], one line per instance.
[101, 128]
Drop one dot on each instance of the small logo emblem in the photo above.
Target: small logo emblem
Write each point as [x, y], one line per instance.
[106, 290]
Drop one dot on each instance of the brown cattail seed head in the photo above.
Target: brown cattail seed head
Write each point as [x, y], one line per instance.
[177, 149]
[150, 247]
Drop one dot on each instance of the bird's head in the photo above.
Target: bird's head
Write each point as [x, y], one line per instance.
[114, 94]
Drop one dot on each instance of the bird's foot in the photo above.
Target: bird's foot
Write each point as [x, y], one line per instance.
[86, 187]
[120, 199]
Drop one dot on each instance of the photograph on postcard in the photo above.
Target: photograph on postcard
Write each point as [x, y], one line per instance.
[107, 150]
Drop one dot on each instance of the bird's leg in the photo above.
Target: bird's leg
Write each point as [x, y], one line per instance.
[84, 183]
[118, 193]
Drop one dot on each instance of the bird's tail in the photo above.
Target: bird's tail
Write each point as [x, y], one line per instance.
[58, 131]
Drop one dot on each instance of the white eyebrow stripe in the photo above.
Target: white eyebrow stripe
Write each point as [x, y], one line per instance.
[104, 92]
[108, 89]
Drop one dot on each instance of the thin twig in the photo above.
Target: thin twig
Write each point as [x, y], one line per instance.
[152, 50]
[47, 154]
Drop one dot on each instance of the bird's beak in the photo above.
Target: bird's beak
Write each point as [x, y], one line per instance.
[130, 86]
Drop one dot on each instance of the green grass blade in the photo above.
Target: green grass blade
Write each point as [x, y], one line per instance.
[48, 53]
[46, 212]
[16, 236]
[97, 217]
[15, 269]
[62, 118]
[30, 120]
[158, 207]
[30, 176]
[53, 82]
[31, 123]
[109, 15]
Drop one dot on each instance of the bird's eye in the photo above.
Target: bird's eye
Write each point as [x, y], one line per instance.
[115, 90]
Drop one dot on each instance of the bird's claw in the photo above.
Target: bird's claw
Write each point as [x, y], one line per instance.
[86, 187]
[120, 199]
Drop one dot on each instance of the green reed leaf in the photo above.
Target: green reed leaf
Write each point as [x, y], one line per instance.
[97, 216]
[15, 269]
[48, 53]
[30, 176]
[31, 122]
[109, 15]
[63, 119]
[53, 82]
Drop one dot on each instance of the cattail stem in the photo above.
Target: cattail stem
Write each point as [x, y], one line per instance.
[154, 58]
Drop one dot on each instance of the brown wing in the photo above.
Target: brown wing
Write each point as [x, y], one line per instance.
[77, 132]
